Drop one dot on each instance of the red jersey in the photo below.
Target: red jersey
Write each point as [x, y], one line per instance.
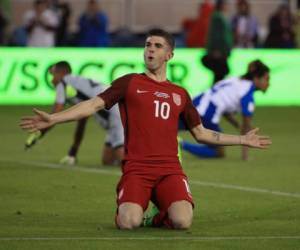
[150, 113]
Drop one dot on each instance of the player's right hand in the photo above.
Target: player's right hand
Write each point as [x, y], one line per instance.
[68, 160]
[32, 139]
[40, 121]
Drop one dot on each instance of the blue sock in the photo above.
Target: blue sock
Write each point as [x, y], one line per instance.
[199, 150]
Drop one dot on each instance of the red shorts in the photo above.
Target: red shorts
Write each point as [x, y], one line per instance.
[161, 189]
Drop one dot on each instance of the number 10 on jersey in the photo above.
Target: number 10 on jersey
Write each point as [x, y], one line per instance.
[162, 109]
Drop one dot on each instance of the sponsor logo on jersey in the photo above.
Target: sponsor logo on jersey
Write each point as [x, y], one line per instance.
[176, 99]
[161, 94]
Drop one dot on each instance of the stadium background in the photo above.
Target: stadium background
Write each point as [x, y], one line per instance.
[23, 71]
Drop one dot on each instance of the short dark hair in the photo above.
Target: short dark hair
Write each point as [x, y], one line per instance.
[64, 66]
[256, 68]
[162, 33]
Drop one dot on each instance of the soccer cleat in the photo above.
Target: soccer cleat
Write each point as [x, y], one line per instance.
[68, 160]
[32, 139]
[148, 217]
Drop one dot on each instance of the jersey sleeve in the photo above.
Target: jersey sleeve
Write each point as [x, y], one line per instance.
[247, 103]
[60, 93]
[117, 92]
[70, 78]
[190, 115]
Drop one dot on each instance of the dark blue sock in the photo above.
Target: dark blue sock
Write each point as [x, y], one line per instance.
[199, 150]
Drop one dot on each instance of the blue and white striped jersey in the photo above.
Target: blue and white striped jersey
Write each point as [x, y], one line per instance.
[227, 96]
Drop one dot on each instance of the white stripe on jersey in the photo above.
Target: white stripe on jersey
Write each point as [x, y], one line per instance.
[226, 97]
[87, 87]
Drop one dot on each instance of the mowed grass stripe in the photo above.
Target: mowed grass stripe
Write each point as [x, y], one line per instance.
[117, 173]
[211, 238]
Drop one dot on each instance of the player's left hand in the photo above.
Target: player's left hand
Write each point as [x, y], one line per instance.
[252, 139]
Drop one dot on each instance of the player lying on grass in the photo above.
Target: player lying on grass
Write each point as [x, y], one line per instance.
[150, 107]
[75, 89]
[224, 99]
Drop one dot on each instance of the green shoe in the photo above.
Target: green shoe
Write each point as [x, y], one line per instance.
[148, 217]
[32, 139]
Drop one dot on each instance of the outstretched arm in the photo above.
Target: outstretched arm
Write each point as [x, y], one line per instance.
[251, 139]
[43, 120]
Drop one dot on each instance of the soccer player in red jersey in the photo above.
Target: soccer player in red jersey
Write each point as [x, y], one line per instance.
[150, 108]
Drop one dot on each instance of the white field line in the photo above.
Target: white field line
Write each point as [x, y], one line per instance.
[117, 173]
[195, 238]
[246, 189]
[69, 168]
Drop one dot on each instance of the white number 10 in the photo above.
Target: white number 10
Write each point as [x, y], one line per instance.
[162, 109]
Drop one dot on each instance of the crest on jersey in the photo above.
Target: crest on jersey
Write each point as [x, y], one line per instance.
[176, 99]
[161, 94]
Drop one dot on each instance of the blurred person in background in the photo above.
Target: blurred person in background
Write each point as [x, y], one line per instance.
[63, 11]
[3, 24]
[196, 29]
[219, 43]
[244, 26]
[281, 29]
[73, 89]
[225, 98]
[40, 24]
[93, 27]
[297, 28]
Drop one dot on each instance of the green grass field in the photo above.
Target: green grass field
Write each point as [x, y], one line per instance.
[239, 205]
